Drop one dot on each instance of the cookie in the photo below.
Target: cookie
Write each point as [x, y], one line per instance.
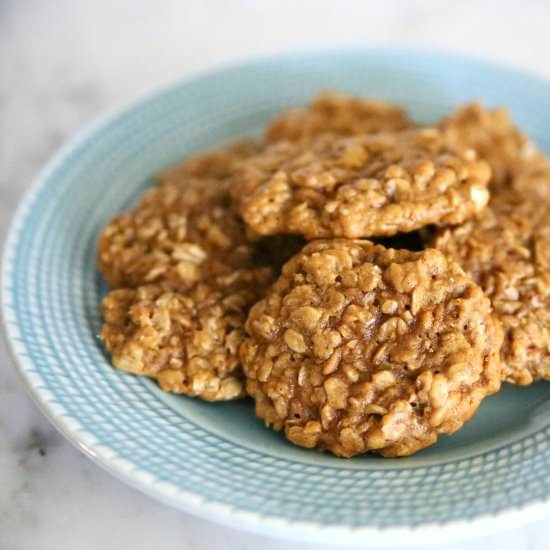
[217, 164]
[532, 178]
[184, 228]
[361, 348]
[492, 134]
[507, 252]
[188, 341]
[367, 185]
[336, 114]
[177, 234]
[187, 271]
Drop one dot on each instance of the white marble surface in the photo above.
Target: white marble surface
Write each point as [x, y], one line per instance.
[64, 61]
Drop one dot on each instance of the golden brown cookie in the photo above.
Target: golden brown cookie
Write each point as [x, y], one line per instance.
[336, 114]
[492, 134]
[507, 251]
[184, 229]
[178, 233]
[191, 271]
[188, 341]
[361, 348]
[368, 185]
[532, 178]
[217, 164]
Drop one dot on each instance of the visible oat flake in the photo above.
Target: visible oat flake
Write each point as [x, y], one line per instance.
[365, 373]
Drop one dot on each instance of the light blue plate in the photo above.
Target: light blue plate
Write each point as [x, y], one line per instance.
[217, 460]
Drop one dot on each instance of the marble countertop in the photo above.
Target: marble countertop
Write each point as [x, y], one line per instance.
[64, 62]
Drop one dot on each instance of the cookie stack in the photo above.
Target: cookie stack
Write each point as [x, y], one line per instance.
[365, 280]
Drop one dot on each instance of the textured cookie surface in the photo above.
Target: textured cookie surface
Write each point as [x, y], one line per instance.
[189, 340]
[186, 271]
[184, 229]
[507, 251]
[178, 233]
[492, 134]
[217, 164]
[361, 348]
[336, 114]
[531, 178]
[367, 185]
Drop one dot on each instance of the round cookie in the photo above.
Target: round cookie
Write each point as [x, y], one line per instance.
[507, 252]
[492, 134]
[188, 341]
[367, 185]
[177, 234]
[190, 271]
[336, 114]
[184, 229]
[361, 348]
[218, 164]
[532, 178]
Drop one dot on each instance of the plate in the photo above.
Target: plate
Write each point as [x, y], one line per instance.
[217, 460]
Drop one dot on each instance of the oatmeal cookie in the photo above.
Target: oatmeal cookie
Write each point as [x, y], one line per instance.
[336, 114]
[184, 226]
[218, 164]
[187, 271]
[362, 348]
[367, 185]
[532, 178]
[178, 234]
[492, 134]
[188, 341]
[507, 251]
